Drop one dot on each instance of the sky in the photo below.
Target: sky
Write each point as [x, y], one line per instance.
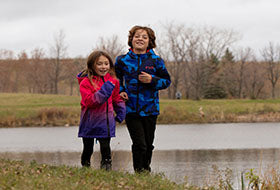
[29, 24]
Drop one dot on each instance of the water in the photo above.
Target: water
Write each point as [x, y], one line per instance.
[180, 150]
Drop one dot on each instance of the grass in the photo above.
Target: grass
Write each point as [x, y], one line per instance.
[59, 110]
[216, 111]
[20, 175]
[38, 110]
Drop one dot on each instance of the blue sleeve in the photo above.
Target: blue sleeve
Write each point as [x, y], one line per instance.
[119, 72]
[120, 111]
[101, 96]
[162, 78]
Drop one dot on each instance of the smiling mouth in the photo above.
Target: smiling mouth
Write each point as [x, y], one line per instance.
[140, 43]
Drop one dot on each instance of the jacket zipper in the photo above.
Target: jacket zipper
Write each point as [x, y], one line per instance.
[137, 99]
[107, 113]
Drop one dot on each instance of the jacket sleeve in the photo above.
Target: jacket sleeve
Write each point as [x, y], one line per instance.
[93, 98]
[119, 72]
[118, 104]
[162, 78]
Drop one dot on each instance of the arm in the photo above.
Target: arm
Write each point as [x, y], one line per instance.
[119, 72]
[118, 104]
[93, 98]
[162, 78]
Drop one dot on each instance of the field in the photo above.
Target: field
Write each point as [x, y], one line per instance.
[17, 110]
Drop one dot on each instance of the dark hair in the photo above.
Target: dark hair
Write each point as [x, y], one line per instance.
[151, 34]
[92, 60]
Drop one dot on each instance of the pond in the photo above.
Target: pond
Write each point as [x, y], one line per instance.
[180, 150]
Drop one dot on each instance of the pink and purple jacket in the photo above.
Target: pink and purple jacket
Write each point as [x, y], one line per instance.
[98, 105]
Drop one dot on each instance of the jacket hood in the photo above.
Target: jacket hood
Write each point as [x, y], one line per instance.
[81, 76]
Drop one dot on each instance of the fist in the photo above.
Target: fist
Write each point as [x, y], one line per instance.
[145, 77]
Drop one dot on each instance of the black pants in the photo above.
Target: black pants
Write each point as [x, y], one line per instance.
[142, 132]
[88, 149]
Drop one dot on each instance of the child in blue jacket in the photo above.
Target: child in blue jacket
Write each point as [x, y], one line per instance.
[142, 74]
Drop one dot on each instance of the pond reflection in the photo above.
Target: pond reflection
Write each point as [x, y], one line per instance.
[180, 150]
[197, 165]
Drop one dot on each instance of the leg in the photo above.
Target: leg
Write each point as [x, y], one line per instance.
[137, 135]
[106, 162]
[149, 124]
[87, 151]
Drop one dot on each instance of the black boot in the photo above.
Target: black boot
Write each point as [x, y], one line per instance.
[85, 163]
[106, 164]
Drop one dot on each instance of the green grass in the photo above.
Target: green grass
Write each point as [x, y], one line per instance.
[54, 110]
[38, 109]
[23, 176]
[23, 105]
[225, 110]
[18, 175]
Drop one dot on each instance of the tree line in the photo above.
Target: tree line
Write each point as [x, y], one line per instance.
[202, 61]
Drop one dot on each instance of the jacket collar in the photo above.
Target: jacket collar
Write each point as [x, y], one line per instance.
[145, 55]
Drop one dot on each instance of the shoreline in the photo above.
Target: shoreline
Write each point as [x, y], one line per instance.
[272, 117]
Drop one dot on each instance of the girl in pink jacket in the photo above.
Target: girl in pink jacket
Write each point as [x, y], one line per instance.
[101, 107]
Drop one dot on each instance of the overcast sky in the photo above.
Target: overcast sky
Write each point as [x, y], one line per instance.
[28, 24]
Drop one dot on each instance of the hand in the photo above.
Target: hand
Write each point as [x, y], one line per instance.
[145, 77]
[124, 96]
[112, 83]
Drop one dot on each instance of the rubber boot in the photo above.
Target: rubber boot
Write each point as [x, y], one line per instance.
[106, 164]
[86, 163]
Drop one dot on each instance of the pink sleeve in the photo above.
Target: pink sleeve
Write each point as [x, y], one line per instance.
[91, 97]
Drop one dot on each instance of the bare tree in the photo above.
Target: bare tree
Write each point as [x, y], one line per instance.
[19, 67]
[72, 67]
[111, 45]
[194, 63]
[244, 56]
[58, 52]
[38, 76]
[192, 54]
[271, 55]
[175, 43]
[254, 80]
[215, 41]
[6, 54]
[164, 53]
[6, 70]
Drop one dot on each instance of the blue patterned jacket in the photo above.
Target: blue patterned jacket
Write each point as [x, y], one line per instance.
[143, 98]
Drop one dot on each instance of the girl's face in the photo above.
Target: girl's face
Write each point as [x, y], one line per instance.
[102, 66]
[140, 41]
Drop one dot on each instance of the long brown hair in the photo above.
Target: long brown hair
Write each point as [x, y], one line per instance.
[151, 34]
[92, 60]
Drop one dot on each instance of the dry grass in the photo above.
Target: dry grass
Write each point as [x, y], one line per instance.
[59, 110]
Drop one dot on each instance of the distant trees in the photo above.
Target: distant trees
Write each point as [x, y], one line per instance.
[202, 63]
[58, 52]
[112, 45]
[37, 75]
[255, 80]
[271, 55]
[194, 55]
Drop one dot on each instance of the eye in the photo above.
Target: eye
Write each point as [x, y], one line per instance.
[145, 37]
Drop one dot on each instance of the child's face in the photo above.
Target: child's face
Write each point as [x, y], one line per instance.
[140, 40]
[102, 66]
